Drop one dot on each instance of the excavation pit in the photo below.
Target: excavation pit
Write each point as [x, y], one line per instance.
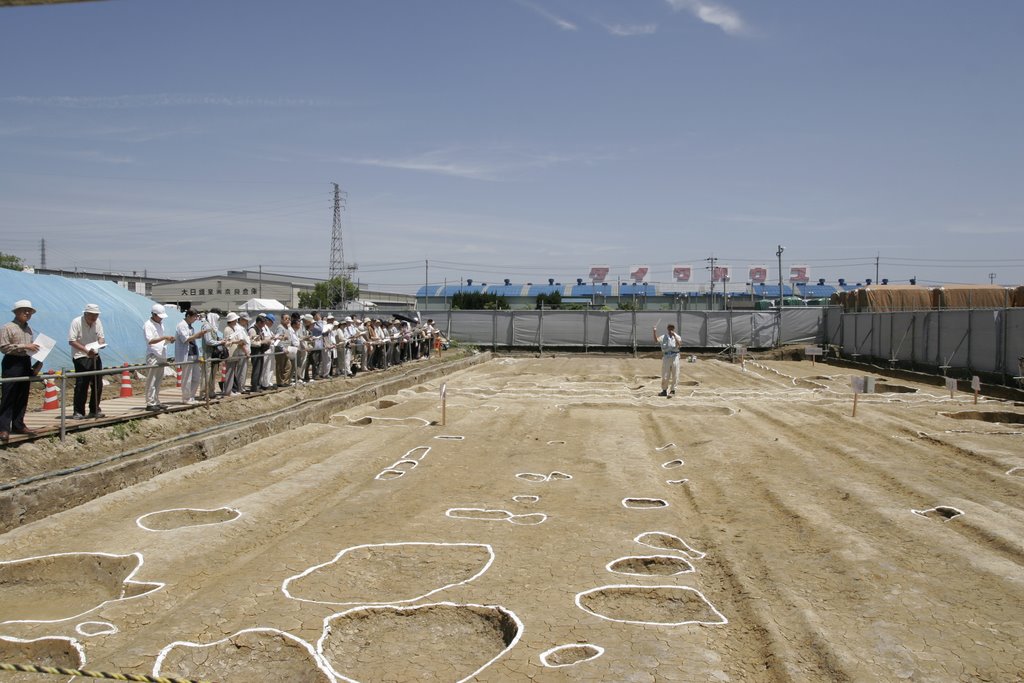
[570, 655]
[650, 565]
[57, 652]
[390, 573]
[653, 605]
[660, 540]
[887, 388]
[62, 586]
[997, 417]
[939, 513]
[180, 518]
[644, 503]
[250, 655]
[438, 642]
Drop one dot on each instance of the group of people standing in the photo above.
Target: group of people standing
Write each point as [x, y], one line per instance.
[296, 350]
[306, 348]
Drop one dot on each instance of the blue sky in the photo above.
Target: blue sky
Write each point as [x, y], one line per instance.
[520, 139]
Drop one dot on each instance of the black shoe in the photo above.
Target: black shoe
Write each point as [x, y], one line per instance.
[663, 393]
[98, 414]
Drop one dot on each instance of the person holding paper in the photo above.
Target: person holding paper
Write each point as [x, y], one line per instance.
[86, 339]
[17, 346]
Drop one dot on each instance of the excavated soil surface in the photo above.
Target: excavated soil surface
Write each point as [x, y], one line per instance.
[812, 560]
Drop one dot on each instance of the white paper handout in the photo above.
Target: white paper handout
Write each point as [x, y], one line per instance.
[45, 346]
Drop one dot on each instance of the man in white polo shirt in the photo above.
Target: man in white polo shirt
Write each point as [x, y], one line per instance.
[156, 355]
[85, 336]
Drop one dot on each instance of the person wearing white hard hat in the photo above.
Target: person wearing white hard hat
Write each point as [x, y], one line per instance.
[156, 355]
[17, 346]
[85, 336]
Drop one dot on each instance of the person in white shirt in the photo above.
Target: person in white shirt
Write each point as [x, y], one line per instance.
[186, 353]
[284, 350]
[236, 338]
[670, 343]
[156, 355]
[85, 337]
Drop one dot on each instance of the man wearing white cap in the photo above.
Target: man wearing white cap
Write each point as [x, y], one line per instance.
[17, 346]
[86, 339]
[156, 355]
[236, 338]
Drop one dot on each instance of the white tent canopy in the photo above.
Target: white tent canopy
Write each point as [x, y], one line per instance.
[263, 305]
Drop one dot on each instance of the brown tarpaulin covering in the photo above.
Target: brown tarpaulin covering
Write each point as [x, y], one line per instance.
[889, 298]
[1017, 297]
[970, 296]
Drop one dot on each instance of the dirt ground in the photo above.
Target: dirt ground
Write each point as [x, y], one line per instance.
[565, 523]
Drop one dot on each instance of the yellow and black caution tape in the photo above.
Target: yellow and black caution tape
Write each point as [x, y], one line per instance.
[61, 671]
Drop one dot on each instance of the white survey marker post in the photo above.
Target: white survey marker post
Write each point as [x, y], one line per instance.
[951, 385]
[858, 388]
[444, 401]
[976, 387]
[813, 352]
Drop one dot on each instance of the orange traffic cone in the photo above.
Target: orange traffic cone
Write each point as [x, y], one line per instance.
[177, 373]
[51, 397]
[126, 383]
[223, 374]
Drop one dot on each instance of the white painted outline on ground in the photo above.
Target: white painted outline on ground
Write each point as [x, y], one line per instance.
[108, 629]
[237, 516]
[672, 464]
[487, 565]
[526, 499]
[509, 516]
[690, 552]
[676, 481]
[74, 643]
[924, 513]
[373, 418]
[409, 453]
[538, 478]
[1014, 469]
[157, 585]
[327, 630]
[645, 507]
[397, 473]
[556, 443]
[317, 659]
[707, 602]
[666, 447]
[449, 437]
[691, 569]
[544, 655]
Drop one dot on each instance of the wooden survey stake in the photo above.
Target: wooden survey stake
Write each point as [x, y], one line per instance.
[444, 402]
[813, 352]
[951, 385]
[976, 387]
[858, 388]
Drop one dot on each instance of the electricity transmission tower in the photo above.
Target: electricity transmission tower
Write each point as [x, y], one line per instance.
[339, 268]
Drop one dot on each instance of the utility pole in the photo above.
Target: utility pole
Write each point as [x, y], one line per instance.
[778, 253]
[991, 278]
[42, 253]
[426, 284]
[338, 267]
[711, 294]
[877, 255]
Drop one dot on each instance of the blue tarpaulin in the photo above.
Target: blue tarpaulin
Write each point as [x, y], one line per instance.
[58, 300]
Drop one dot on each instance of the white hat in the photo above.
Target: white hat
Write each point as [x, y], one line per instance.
[92, 308]
[23, 303]
[231, 317]
[159, 311]
[348, 319]
[330, 316]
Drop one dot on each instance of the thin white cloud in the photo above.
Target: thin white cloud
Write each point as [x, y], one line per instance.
[156, 100]
[718, 15]
[631, 29]
[495, 164]
[92, 155]
[561, 23]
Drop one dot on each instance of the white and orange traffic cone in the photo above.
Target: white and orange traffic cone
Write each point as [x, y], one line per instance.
[51, 396]
[177, 374]
[223, 373]
[126, 383]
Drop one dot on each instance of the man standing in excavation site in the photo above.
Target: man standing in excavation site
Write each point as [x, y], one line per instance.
[670, 343]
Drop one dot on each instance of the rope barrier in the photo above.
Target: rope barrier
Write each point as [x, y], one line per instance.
[61, 671]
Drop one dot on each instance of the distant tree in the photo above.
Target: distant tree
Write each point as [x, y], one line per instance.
[328, 294]
[477, 301]
[628, 306]
[11, 262]
[552, 300]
